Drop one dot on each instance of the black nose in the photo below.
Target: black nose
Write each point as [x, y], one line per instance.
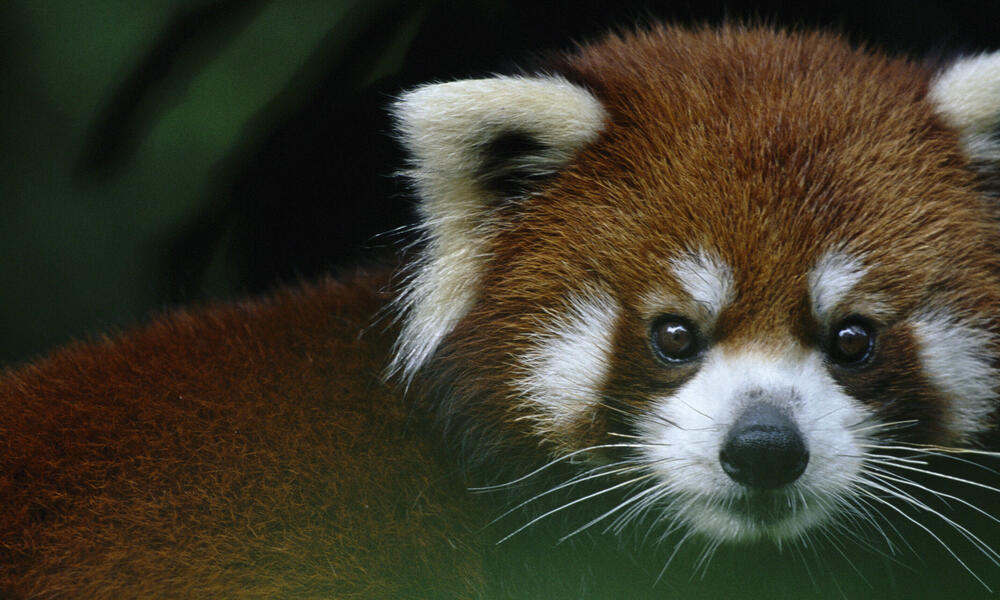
[764, 448]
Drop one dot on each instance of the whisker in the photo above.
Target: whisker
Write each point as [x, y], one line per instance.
[982, 546]
[944, 545]
[797, 548]
[862, 504]
[914, 501]
[687, 535]
[955, 450]
[672, 528]
[840, 550]
[912, 460]
[614, 404]
[934, 449]
[857, 538]
[610, 512]
[615, 408]
[687, 404]
[572, 503]
[888, 426]
[704, 559]
[597, 472]
[637, 511]
[824, 416]
[892, 463]
[939, 452]
[563, 458]
[885, 474]
[909, 499]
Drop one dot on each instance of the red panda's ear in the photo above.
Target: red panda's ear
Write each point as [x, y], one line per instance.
[967, 95]
[473, 143]
[484, 135]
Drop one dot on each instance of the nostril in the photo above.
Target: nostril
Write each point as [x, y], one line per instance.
[764, 449]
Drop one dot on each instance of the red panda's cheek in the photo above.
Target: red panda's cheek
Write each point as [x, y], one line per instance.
[958, 361]
[561, 374]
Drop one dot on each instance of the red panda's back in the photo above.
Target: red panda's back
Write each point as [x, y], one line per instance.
[236, 451]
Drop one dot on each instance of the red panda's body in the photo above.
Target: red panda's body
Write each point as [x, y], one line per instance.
[227, 452]
[735, 283]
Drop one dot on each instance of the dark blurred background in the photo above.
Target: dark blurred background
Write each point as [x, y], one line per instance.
[162, 152]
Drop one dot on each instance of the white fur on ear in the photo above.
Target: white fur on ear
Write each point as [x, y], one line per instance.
[448, 129]
[967, 95]
[444, 126]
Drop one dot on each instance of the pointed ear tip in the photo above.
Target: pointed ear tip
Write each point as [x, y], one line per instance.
[407, 101]
[966, 66]
[456, 116]
[460, 95]
[975, 70]
[967, 92]
[435, 100]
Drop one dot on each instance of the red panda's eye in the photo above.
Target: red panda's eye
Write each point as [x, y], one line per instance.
[852, 342]
[675, 338]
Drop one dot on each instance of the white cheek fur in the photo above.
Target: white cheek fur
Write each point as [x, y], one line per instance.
[685, 437]
[564, 372]
[956, 357]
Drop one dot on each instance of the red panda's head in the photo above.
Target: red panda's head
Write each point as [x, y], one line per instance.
[739, 263]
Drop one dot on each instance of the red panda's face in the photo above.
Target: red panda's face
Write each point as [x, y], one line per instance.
[732, 269]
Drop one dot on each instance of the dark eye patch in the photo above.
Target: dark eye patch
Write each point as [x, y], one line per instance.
[893, 384]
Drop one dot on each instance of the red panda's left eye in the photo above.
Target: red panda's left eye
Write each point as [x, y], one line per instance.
[675, 338]
[852, 342]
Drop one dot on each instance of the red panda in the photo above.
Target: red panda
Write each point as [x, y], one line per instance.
[716, 309]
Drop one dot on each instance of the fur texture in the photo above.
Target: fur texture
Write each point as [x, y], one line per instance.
[229, 452]
[622, 260]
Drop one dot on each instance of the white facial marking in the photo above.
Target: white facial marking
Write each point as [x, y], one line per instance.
[444, 126]
[830, 280]
[706, 278]
[967, 95]
[686, 434]
[957, 359]
[568, 366]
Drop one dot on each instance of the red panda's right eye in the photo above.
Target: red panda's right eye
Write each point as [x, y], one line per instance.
[675, 338]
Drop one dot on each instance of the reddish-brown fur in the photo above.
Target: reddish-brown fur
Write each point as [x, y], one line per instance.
[244, 451]
[252, 451]
[766, 150]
